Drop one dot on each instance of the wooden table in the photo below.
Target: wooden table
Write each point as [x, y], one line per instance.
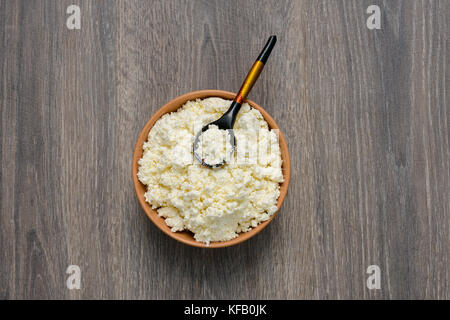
[365, 113]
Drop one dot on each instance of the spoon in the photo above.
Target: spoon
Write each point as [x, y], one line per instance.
[226, 121]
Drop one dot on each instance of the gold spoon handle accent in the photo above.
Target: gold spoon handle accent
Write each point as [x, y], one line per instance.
[255, 71]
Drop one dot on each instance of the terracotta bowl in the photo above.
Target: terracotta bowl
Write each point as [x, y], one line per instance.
[185, 236]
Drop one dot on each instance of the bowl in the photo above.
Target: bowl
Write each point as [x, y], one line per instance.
[186, 236]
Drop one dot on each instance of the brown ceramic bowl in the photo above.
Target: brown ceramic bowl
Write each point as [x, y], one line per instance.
[185, 236]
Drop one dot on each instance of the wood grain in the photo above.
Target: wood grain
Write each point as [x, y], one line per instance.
[365, 113]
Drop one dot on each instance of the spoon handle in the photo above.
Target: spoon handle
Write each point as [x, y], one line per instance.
[255, 71]
[229, 117]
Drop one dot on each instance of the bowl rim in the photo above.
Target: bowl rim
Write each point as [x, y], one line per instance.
[152, 213]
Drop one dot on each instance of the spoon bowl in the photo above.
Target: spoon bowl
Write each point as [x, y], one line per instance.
[197, 140]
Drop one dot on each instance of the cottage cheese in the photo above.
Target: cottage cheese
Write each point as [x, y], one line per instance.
[214, 146]
[214, 204]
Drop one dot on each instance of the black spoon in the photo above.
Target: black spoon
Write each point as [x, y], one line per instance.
[226, 121]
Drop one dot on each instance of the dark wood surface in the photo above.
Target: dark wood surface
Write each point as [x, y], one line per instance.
[365, 113]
